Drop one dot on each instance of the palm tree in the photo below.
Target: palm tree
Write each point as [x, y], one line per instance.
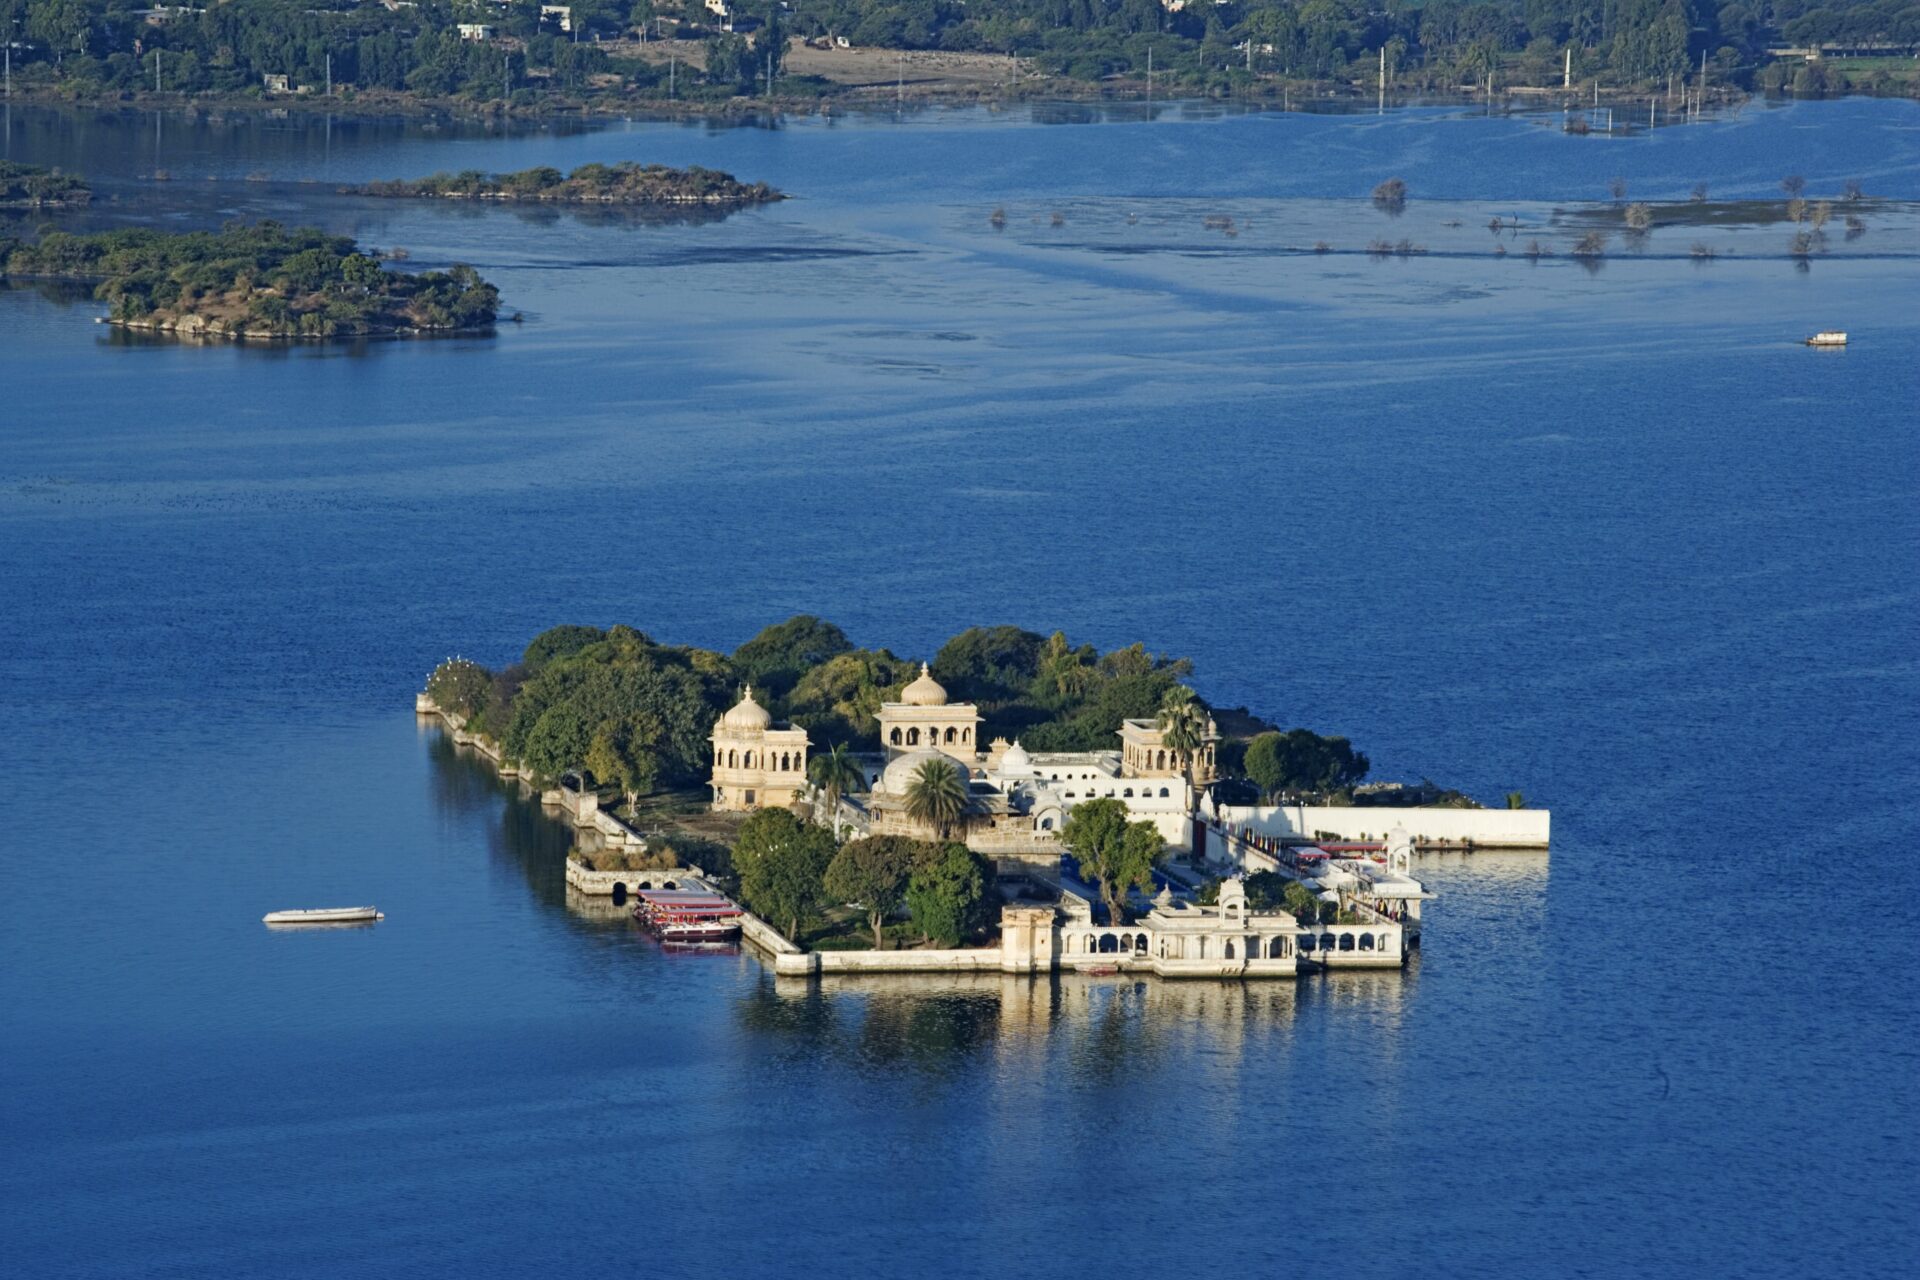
[1183, 724]
[936, 795]
[835, 774]
[1065, 666]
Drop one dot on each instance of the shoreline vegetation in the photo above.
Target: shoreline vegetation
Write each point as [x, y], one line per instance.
[262, 281]
[26, 186]
[682, 56]
[626, 183]
[634, 716]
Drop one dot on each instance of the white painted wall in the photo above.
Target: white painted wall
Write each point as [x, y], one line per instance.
[1514, 828]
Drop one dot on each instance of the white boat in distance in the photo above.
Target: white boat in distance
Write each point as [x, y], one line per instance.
[1828, 338]
[323, 915]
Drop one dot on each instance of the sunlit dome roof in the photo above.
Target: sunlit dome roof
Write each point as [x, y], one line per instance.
[900, 770]
[1016, 760]
[924, 692]
[748, 714]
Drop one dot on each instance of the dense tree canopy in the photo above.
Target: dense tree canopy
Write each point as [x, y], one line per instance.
[951, 893]
[782, 864]
[1300, 760]
[638, 714]
[107, 46]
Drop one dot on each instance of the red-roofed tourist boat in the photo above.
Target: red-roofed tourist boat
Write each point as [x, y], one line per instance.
[688, 915]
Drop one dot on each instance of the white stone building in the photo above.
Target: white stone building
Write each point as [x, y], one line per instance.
[1016, 800]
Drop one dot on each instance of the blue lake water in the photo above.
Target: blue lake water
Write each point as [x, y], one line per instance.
[1611, 537]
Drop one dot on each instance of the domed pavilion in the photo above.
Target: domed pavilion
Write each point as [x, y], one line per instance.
[758, 762]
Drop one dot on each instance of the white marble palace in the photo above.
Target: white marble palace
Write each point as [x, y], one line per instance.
[1017, 800]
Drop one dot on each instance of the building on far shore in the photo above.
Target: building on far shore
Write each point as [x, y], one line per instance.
[1016, 801]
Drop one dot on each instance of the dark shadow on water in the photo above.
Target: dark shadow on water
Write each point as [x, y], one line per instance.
[521, 834]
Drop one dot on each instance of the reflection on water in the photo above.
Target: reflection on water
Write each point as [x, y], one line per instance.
[523, 836]
[1099, 1030]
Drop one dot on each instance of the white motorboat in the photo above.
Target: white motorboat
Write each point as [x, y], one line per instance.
[1828, 338]
[324, 915]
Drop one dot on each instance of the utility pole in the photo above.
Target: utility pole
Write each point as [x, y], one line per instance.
[1566, 76]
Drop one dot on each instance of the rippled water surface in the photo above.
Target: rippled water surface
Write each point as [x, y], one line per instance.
[1608, 536]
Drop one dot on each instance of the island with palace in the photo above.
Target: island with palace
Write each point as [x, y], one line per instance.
[1016, 804]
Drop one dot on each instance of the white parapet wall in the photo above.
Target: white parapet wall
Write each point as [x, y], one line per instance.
[1486, 828]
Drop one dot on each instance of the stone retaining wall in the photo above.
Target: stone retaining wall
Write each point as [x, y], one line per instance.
[1484, 828]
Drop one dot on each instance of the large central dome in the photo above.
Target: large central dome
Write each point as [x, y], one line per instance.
[924, 692]
[900, 770]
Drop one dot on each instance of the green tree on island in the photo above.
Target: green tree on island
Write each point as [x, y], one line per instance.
[460, 686]
[775, 659]
[937, 795]
[948, 893]
[873, 873]
[625, 752]
[1116, 855]
[1301, 760]
[782, 864]
[836, 773]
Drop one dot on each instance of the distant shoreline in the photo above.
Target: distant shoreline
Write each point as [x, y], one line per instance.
[1306, 97]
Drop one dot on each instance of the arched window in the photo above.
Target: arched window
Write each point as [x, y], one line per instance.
[1128, 793]
[1162, 760]
[749, 797]
[1046, 824]
[1366, 942]
[953, 735]
[1163, 793]
[733, 759]
[966, 735]
[1306, 942]
[895, 739]
[913, 737]
[1346, 942]
[1277, 949]
[784, 762]
[1228, 953]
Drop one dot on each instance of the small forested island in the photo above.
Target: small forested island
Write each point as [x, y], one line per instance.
[26, 186]
[259, 281]
[627, 183]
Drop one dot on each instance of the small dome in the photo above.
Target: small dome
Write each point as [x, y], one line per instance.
[924, 692]
[747, 715]
[900, 770]
[1016, 762]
